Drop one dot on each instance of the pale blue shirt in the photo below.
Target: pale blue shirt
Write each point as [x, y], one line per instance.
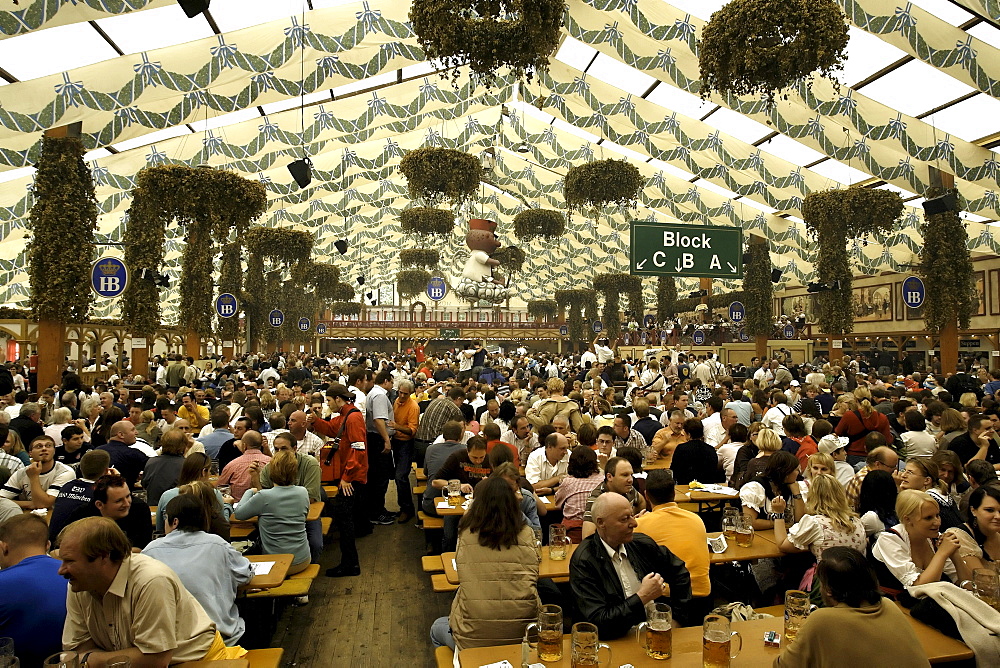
[211, 569]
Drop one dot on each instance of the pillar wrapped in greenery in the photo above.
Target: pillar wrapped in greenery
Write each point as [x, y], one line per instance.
[613, 286]
[62, 223]
[666, 298]
[231, 281]
[210, 204]
[541, 309]
[582, 307]
[346, 308]
[833, 217]
[946, 268]
[758, 291]
[287, 248]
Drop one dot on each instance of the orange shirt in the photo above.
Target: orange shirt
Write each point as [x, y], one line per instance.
[406, 414]
[683, 533]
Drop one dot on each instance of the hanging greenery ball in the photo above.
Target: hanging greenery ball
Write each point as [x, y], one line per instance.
[435, 174]
[520, 35]
[532, 223]
[419, 257]
[426, 221]
[346, 308]
[857, 211]
[602, 182]
[761, 47]
[543, 308]
[280, 243]
[412, 282]
[510, 258]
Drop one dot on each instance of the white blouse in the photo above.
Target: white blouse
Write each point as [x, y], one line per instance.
[817, 533]
[897, 555]
[752, 496]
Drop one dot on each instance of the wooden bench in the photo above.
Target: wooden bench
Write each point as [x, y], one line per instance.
[421, 476]
[429, 522]
[432, 564]
[326, 523]
[294, 585]
[440, 584]
[331, 490]
[444, 656]
[256, 658]
[419, 491]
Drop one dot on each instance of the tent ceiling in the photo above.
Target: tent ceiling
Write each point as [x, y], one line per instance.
[920, 88]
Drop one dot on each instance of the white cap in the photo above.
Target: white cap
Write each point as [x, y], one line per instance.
[831, 443]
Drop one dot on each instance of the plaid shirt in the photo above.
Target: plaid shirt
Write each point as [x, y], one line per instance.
[237, 472]
[438, 412]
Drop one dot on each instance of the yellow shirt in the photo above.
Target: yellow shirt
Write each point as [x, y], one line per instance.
[683, 533]
[185, 414]
[146, 607]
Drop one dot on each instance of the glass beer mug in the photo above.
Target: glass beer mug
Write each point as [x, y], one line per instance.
[559, 542]
[549, 629]
[654, 634]
[716, 643]
[586, 647]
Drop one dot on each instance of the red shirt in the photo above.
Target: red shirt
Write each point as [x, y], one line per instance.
[350, 462]
[420, 354]
[490, 445]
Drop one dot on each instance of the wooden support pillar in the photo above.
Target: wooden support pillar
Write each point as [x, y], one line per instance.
[51, 342]
[228, 349]
[272, 347]
[192, 344]
[949, 347]
[140, 356]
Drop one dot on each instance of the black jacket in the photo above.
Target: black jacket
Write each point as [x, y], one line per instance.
[598, 589]
[696, 460]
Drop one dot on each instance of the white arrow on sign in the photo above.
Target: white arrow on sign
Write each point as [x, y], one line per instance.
[731, 267]
[641, 264]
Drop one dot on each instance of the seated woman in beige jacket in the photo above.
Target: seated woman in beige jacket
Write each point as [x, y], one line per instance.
[498, 569]
[557, 404]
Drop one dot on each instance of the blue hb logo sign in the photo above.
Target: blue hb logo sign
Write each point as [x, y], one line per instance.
[226, 305]
[109, 277]
[321, 329]
[737, 312]
[276, 318]
[304, 324]
[914, 292]
[699, 338]
[437, 288]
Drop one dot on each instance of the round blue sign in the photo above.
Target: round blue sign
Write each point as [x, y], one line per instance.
[321, 329]
[276, 318]
[649, 320]
[304, 324]
[914, 292]
[789, 331]
[109, 277]
[737, 312]
[563, 330]
[744, 337]
[663, 337]
[437, 288]
[598, 326]
[226, 305]
[699, 338]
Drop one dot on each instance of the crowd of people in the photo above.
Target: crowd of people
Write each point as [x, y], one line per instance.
[890, 478]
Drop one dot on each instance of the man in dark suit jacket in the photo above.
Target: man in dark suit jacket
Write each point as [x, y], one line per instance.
[28, 423]
[696, 459]
[615, 572]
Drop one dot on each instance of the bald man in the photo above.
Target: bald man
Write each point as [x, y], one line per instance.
[124, 458]
[615, 572]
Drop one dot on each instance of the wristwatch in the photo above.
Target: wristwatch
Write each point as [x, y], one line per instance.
[775, 517]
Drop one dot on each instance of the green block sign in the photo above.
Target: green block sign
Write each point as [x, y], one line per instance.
[449, 333]
[675, 249]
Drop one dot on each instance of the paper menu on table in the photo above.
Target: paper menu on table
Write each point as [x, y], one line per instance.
[262, 567]
[454, 565]
[443, 505]
[544, 499]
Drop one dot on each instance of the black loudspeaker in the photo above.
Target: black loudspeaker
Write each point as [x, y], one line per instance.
[361, 280]
[301, 171]
[193, 7]
[776, 275]
[341, 246]
[941, 204]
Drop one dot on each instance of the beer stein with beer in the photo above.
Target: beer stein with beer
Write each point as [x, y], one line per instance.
[716, 643]
[549, 629]
[586, 647]
[654, 634]
[559, 542]
[455, 493]
[987, 586]
[797, 608]
[730, 519]
[744, 532]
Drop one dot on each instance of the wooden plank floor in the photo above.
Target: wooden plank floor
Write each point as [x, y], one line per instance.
[381, 618]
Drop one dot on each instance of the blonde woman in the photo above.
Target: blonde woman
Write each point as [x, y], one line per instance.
[914, 552]
[819, 464]
[828, 522]
[767, 443]
[968, 400]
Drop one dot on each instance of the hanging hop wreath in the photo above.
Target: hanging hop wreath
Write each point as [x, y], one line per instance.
[346, 308]
[510, 258]
[532, 223]
[412, 282]
[280, 243]
[435, 174]
[602, 182]
[855, 211]
[427, 222]
[485, 35]
[427, 258]
[762, 47]
[543, 308]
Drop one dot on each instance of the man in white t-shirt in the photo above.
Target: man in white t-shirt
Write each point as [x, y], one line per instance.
[778, 411]
[605, 354]
[37, 484]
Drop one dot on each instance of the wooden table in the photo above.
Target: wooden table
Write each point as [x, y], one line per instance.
[763, 547]
[282, 562]
[459, 510]
[546, 567]
[687, 647]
